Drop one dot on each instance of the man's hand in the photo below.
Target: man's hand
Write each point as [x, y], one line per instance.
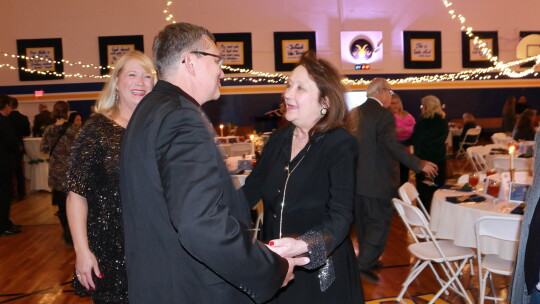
[292, 263]
[429, 168]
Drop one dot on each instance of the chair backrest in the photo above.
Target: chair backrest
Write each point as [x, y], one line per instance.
[499, 227]
[471, 137]
[479, 162]
[503, 163]
[409, 194]
[412, 217]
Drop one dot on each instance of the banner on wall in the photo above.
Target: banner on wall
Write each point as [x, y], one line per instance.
[361, 50]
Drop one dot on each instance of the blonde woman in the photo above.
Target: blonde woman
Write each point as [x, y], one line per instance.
[429, 142]
[93, 206]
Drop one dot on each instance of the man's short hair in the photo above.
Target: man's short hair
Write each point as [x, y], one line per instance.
[173, 41]
[5, 100]
[375, 86]
[14, 102]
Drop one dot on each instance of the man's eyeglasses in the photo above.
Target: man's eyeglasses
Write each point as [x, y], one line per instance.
[220, 62]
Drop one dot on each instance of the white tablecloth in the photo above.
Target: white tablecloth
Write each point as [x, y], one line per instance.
[37, 171]
[456, 222]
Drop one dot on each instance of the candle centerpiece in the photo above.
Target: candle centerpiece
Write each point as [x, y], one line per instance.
[511, 150]
[221, 129]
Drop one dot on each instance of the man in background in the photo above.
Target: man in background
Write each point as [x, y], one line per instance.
[522, 105]
[21, 124]
[42, 120]
[377, 175]
[9, 148]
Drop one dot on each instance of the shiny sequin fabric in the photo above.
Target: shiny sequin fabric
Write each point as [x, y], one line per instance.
[317, 258]
[58, 162]
[94, 174]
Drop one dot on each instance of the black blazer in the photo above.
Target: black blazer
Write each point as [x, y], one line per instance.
[186, 228]
[379, 152]
[9, 146]
[40, 121]
[20, 123]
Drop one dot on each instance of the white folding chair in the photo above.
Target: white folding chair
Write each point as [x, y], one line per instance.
[259, 208]
[479, 162]
[503, 164]
[434, 251]
[409, 194]
[470, 139]
[480, 150]
[239, 149]
[499, 227]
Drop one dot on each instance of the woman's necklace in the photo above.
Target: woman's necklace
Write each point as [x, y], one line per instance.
[289, 172]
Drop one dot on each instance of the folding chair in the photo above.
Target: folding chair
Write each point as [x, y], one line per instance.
[470, 139]
[434, 251]
[409, 194]
[471, 159]
[499, 227]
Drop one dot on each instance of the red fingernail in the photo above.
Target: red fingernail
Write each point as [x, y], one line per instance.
[101, 276]
[271, 243]
[93, 288]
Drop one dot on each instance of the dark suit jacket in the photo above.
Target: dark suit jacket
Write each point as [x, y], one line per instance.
[42, 119]
[21, 124]
[380, 152]
[9, 146]
[186, 228]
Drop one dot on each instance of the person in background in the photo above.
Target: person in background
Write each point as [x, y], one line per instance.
[509, 115]
[525, 283]
[522, 105]
[315, 192]
[377, 173]
[429, 142]
[525, 126]
[75, 119]
[94, 207]
[57, 141]
[468, 123]
[42, 120]
[186, 228]
[9, 149]
[404, 128]
[21, 124]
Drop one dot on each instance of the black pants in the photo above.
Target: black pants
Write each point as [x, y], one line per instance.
[59, 198]
[19, 175]
[373, 218]
[425, 191]
[5, 195]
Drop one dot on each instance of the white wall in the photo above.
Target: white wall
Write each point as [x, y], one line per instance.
[80, 22]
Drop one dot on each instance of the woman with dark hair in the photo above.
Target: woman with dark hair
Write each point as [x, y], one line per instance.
[525, 125]
[75, 118]
[509, 115]
[57, 141]
[305, 178]
[94, 209]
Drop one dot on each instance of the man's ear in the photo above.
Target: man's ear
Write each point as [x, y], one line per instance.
[189, 62]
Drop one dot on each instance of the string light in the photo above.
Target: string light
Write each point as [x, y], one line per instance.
[276, 78]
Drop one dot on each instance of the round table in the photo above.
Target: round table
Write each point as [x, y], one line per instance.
[456, 222]
[37, 165]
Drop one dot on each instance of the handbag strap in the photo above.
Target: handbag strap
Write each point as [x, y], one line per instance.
[62, 133]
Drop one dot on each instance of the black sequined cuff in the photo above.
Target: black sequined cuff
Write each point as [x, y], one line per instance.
[316, 249]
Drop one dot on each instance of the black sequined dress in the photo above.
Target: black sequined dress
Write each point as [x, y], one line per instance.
[94, 174]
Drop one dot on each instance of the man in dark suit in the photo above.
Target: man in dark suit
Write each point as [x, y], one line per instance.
[21, 124]
[377, 174]
[43, 119]
[9, 148]
[187, 237]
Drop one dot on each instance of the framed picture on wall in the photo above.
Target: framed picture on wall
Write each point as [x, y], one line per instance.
[289, 47]
[422, 50]
[236, 50]
[472, 54]
[45, 57]
[533, 49]
[111, 48]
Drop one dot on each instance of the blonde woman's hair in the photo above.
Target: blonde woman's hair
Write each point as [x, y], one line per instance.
[107, 104]
[432, 106]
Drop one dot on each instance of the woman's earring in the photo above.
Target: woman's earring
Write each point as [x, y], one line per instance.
[324, 111]
[115, 97]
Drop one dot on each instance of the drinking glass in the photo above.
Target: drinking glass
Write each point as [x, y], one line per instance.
[493, 188]
[474, 178]
[491, 171]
